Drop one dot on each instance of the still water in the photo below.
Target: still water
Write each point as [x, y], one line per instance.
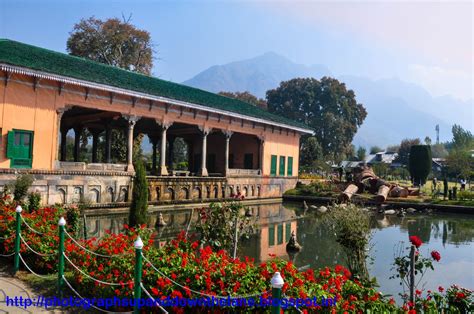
[450, 234]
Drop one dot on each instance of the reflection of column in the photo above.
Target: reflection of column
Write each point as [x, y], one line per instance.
[154, 144]
[203, 171]
[95, 139]
[260, 154]
[228, 135]
[108, 143]
[77, 142]
[59, 115]
[132, 120]
[163, 171]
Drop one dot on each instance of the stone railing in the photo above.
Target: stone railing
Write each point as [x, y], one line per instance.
[71, 165]
[244, 172]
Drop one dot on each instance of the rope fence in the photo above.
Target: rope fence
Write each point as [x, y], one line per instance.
[276, 282]
[92, 252]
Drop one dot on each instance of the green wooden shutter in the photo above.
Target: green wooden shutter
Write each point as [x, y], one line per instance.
[280, 234]
[271, 235]
[290, 166]
[288, 231]
[273, 169]
[282, 165]
[10, 144]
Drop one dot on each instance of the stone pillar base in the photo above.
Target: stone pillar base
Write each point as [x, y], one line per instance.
[162, 171]
[130, 168]
[203, 172]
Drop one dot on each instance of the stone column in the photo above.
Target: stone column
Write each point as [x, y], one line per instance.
[154, 143]
[203, 171]
[228, 135]
[95, 139]
[59, 115]
[77, 142]
[260, 155]
[108, 143]
[132, 120]
[63, 144]
[163, 171]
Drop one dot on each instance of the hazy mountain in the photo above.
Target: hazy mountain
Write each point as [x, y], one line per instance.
[256, 75]
[396, 109]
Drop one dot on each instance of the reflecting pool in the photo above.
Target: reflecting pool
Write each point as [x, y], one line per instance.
[450, 234]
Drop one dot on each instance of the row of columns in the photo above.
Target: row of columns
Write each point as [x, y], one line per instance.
[132, 120]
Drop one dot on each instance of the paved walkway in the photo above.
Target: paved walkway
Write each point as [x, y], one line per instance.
[13, 287]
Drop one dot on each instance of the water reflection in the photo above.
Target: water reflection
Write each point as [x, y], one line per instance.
[452, 235]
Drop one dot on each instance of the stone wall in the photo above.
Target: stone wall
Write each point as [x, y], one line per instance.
[67, 187]
[108, 187]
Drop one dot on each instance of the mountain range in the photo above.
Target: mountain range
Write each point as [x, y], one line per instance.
[396, 109]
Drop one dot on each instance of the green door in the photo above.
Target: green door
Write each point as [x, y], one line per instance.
[282, 165]
[290, 167]
[273, 169]
[20, 148]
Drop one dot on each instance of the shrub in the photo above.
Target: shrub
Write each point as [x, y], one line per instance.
[420, 163]
[352, 229]
[34, 201]
[465, 195]
[139, 205]
[20, 187]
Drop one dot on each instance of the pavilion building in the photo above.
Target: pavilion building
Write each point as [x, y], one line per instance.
[232, 146]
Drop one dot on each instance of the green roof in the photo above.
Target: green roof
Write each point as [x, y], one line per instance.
[52, 62]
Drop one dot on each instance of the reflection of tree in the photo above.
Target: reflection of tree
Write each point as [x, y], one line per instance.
[421, 228]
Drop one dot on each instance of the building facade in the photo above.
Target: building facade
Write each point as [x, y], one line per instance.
[232, 146]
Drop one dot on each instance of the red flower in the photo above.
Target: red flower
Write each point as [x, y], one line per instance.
[440, 289]
[460, 295]
[418, 292]
[435, 255]
[416, 241]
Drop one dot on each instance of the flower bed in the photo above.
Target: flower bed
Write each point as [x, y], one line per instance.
[192, 266]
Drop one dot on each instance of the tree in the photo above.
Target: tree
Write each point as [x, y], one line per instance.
[138, 207]
[427, 140]
[375, 149]
[310, 152]
[113, 42]
[404, 150]
[246, 97]
[462, 139]
[419, 163]
[361, 153]
[460, 164]
[326, 106]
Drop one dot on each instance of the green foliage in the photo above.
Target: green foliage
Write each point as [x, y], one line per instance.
[138, 208]
[352, 229]
[361, 151]
[420, 163]
[113, 42]
[183, 165]
[316, 188]
[325, 105]
[462, 139]
[466, 195]
[310, 152]
[404, 150]
[439, 151]
[20, 186]
[460, 164]
[375, 149]
[381, 169]
[247, 97]
[217, 224]
[34, 201]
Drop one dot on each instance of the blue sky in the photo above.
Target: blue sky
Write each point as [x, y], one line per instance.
[423, 42]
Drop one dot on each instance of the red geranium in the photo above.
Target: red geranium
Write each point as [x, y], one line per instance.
[435, 255]
[416, 241]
